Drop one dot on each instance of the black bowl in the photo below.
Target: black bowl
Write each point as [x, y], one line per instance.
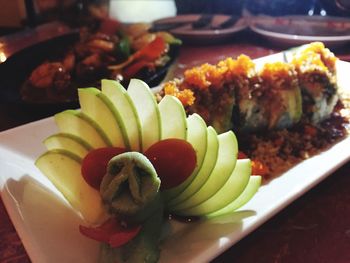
[14, 73]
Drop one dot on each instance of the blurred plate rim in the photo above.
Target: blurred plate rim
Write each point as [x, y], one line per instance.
[188, 33]
[296, 39]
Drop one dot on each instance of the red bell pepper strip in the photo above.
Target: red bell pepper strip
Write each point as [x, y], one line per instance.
[149, 53]
[152, 51]
[111, 232]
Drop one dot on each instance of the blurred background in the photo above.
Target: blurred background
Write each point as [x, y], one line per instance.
[17, 14]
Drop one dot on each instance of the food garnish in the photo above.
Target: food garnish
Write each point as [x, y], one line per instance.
[129, 161]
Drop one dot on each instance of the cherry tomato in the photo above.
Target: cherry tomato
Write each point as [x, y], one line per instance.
[174, 161]
[94, 164]
[111, 232]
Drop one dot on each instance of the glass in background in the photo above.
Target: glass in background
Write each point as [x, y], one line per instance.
[135, 11]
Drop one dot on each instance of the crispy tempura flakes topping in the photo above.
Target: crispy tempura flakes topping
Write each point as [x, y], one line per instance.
[278, 75]
[315, 56]
[208, 76]
[215, 78]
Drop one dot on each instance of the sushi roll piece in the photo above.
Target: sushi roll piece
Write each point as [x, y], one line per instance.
[283, 95]
[240, 76]
[214, 96]
[249, 114]
[236, 95]
[273, 102]
[315, 66]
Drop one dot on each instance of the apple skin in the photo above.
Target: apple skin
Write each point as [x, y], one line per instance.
[197, 137]
[205, 170]
[173, 118]
[81, 125]
[147, 111]
[122, 101]
[70, 142]
[248, 193]
[232, 189]
[63, 169]
[226, 162]
[99, 108]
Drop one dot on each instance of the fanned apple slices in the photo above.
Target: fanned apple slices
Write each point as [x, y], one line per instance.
[132, 119]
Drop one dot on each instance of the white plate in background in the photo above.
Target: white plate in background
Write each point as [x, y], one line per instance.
[204, 35]
[298, 30]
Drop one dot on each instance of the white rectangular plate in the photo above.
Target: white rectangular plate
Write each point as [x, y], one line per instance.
[48, 226]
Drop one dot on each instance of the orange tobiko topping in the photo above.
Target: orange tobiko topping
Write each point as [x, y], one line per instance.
[186, 96]
[243, 65]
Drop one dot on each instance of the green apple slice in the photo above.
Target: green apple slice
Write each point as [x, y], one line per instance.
[99, 108]
[173, 116]
[226, 162]
[209, 162]
[121, 101]
[147, 111]
[248, 193]
[81, 125]
[69, 142]
[197, 137]
[63, 169]
[233, 188]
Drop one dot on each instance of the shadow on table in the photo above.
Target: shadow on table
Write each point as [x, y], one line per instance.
[46, 224]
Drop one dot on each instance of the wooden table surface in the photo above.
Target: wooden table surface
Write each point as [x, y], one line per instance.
[315, 228]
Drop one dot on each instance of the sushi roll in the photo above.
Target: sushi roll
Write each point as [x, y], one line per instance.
[235, 95]
[315, 66]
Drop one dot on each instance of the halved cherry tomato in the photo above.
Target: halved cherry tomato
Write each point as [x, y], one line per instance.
[111, 232]
[94, 164]
[173, 159]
